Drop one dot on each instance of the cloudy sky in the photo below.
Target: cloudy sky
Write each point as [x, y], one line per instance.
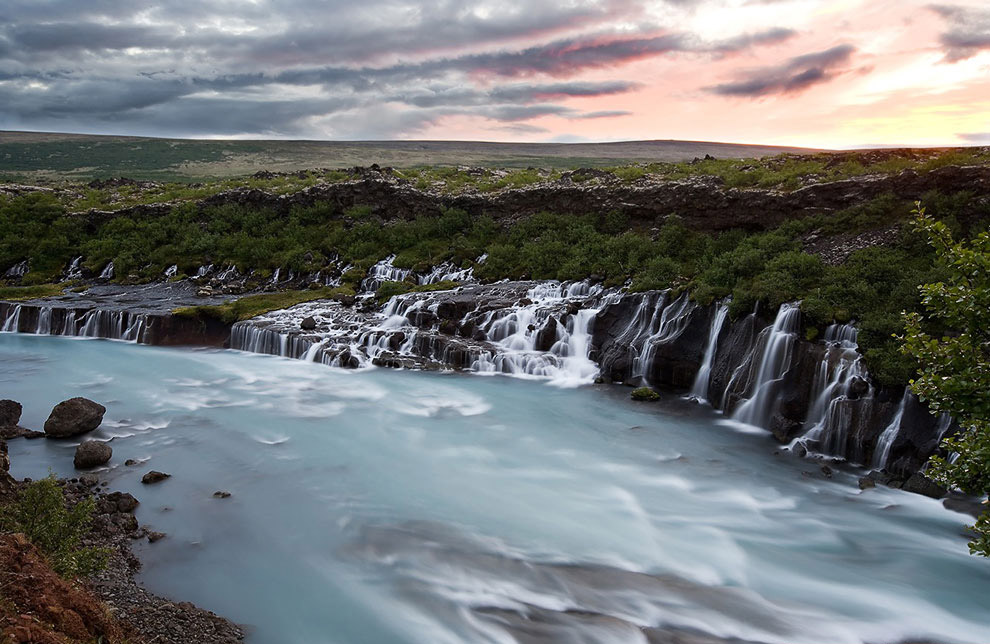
[826, 73]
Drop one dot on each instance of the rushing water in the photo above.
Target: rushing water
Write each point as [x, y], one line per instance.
[389, 506]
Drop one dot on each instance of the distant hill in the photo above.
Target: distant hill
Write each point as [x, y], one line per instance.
[37, 156]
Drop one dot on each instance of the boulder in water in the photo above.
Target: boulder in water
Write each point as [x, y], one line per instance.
[308, 323]
[154, 476]
[92, 454]
[74, 416]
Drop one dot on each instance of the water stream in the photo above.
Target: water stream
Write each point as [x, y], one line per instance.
[393, 506]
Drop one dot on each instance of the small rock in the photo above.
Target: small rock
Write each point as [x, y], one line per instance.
[74, 416]
[206, 291]
[131, 462]
[154, 476]
[826, 471]
[91, 454]
[308, 323]
[155, 536]
[89, 480]
[644, 394]
[221, 494]
[865, 483]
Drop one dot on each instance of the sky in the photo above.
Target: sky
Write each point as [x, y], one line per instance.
[816, 73]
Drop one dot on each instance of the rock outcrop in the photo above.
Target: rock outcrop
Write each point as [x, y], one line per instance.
[702, 202]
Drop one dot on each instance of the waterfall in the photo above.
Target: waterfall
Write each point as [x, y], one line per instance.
[75, 269]
[204, 270]
[383, 272]
[828, 421]
[12, 321]
[92, 323]
[447, 272]
[699, 390]
[17, 270]
[228, 273]
[881, 454]
[107, 273]
[172, 271]
[771, 359]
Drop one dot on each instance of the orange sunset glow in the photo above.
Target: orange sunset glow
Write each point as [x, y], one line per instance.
[816, 73]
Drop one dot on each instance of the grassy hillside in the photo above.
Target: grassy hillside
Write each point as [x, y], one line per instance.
[38, 156]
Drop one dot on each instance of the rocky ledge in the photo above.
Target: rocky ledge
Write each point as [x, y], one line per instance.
[703, 202]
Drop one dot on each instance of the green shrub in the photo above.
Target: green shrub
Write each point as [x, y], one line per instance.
[41, 513]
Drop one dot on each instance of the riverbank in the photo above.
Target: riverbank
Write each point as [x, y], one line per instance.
[110, 606]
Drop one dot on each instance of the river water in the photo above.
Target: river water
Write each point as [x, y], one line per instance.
[388, 506]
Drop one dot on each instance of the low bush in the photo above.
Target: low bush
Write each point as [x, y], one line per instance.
[42, 514]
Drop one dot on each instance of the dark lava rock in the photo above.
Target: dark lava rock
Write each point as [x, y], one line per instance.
[865, 483]
[118, 502]
[921, 484]
[154, 476]
[91, 454]
[132, 462]
[10, 412]
[221, 494]
[74, 416]
[784, 429]
[155, 536]
[826, 471]
[858, 387]
[16, 431]
[308, 324]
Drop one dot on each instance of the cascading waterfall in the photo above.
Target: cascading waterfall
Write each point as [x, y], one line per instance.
[12, 322]
[699, 390]
[769, 363]
[204, 270]
[18, 270]
[172, 271]
[546, 334]
[75, 269]
[881, 454]
[668, 326]
[447, 272]
[828, 421]
[93, 323]
[383, 272]
[107, 273]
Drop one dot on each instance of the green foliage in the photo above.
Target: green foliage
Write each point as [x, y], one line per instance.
[644, 394]
[15, 293]
[40, 513]
[250, 306]
[954, 374]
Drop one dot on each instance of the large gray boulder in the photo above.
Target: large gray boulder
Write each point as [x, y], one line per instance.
[92, 454]
[73, 417]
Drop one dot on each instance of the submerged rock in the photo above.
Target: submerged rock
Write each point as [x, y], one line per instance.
[91, 454]
[154, 476]
[73, 417]
[221, 494]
